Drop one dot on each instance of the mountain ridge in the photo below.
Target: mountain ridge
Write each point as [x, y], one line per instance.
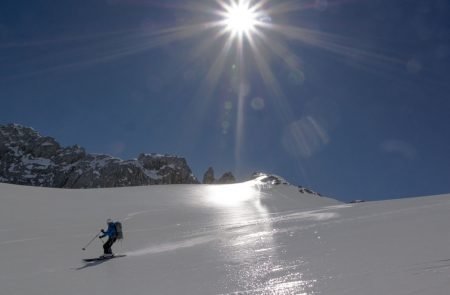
[28, 158]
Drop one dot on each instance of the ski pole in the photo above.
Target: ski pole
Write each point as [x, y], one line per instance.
[84, 248]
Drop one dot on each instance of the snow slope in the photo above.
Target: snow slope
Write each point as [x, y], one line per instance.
[222, 239]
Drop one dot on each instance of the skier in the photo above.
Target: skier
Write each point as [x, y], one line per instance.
[111, 232]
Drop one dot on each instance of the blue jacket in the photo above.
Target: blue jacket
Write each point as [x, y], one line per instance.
[110, 232]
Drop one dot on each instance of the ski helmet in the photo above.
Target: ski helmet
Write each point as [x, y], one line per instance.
[109, 220]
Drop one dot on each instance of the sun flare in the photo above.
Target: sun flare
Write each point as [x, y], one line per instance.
[240, 18]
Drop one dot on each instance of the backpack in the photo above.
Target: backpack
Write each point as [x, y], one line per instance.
[119, 232]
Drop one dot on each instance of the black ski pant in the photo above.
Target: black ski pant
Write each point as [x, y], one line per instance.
[108, 244]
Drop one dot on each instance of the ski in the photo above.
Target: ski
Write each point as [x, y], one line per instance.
[101, 258]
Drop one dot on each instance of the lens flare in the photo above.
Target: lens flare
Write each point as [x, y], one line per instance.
[240, 18]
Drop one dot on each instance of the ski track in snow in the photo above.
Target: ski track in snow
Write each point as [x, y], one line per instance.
[171, 246]
[133, 214]
[243, 226]
[438, 266]
[240, 228]
[244, 229]
[19, 241]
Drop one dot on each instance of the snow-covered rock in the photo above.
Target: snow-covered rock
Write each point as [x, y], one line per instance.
[28, 158]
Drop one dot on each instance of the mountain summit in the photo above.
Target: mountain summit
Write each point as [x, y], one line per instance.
[28, 158]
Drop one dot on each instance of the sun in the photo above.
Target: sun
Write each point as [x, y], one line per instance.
[240, 18]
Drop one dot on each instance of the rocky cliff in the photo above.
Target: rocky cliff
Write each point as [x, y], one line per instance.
[28, 158]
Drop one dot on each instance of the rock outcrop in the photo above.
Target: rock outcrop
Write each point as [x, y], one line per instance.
[208, 177]
[28, 158]
[226, 178]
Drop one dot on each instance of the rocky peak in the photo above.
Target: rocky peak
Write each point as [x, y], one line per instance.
[172, 169]
[28, 158]
[208, 177]
[226, 178]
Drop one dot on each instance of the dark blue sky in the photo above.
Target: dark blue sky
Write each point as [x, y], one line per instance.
[349, 98]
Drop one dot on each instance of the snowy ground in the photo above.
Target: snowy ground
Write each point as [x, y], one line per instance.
[229, 239]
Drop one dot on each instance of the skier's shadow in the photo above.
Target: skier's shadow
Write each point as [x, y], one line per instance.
[97, 262]
[91, 264]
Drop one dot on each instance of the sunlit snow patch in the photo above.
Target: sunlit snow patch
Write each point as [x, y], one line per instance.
[232, 194]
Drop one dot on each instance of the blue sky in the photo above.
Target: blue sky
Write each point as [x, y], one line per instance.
[349, 98]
